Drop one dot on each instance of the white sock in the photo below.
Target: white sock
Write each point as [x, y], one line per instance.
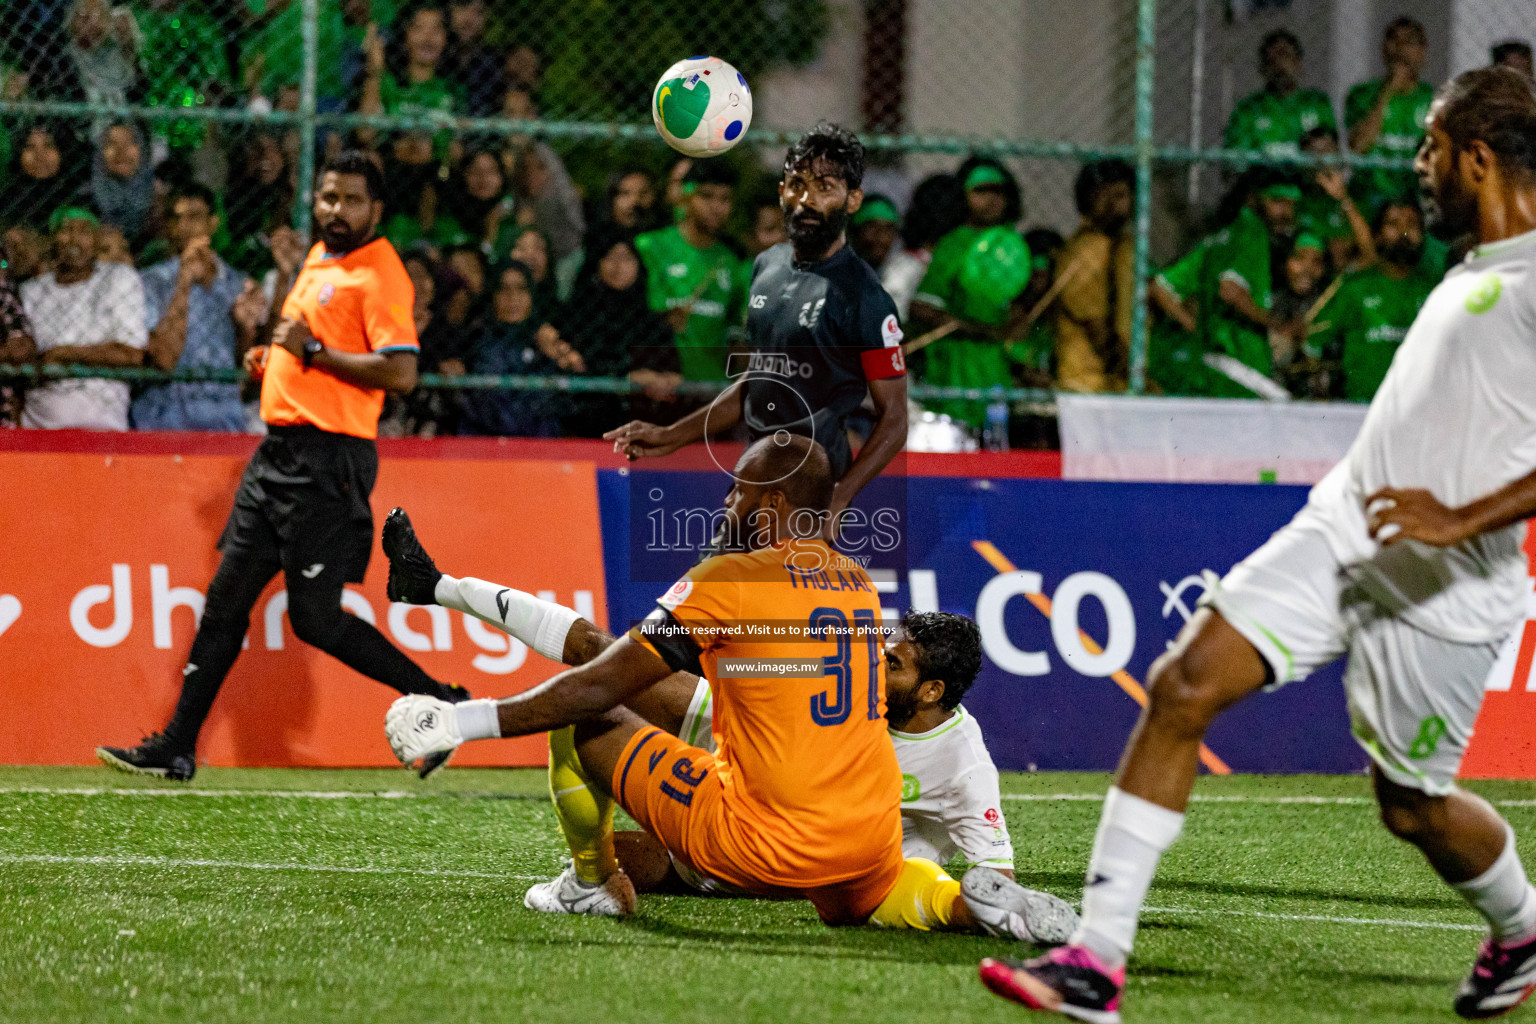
[1133, 833]
[478, 719]
[1504, 896]
[540, 624]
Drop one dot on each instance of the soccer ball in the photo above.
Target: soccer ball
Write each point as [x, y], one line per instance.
[702, 106]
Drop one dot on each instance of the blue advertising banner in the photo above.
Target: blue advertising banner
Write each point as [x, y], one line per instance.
[1077, 588]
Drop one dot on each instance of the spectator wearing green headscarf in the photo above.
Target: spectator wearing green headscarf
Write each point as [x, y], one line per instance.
[977, 272]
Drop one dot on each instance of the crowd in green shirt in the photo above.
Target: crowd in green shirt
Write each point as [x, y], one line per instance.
[1308, 288]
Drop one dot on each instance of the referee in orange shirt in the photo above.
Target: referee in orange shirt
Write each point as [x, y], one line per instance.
[346, 336]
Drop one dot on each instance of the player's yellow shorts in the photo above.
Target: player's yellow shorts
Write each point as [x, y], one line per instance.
[674, 792]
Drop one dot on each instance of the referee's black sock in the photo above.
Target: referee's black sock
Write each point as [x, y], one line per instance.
[226, 615]
[213, 652]
[318, 620]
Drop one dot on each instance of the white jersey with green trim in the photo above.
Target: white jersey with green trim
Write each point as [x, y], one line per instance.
[1455, 415]
[950, 800]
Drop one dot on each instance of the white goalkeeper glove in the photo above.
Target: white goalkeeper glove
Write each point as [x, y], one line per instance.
[418, 726]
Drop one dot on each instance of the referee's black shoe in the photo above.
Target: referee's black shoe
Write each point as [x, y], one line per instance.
[154, 756]
[413, 575]
[434, 763]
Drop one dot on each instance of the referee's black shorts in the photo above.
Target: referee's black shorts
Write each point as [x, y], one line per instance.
[303, 501]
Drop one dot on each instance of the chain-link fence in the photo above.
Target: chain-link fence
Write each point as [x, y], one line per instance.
[515, 136]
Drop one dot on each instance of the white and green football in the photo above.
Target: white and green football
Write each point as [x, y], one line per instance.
[702, 106]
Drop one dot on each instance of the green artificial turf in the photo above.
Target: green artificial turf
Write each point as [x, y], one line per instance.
[274, 896]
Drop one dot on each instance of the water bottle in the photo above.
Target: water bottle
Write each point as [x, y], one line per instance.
[994, 437]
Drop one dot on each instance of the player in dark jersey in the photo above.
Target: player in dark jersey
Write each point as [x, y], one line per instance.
[821, 331]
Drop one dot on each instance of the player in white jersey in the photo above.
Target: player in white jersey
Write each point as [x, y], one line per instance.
[930, 663]
[950, 798]
[1407, 558]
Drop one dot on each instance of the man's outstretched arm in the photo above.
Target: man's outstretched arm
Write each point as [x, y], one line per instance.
[637, 439]
[418, 726]
[623, 670]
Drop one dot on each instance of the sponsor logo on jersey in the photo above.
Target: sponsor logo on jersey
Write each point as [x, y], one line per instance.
[992, 815]
[890, 331]
[676, 594]
[810, 313]
[1485, 294]
[677, 270]
[326, 291]
[911, 789]
[778, 364]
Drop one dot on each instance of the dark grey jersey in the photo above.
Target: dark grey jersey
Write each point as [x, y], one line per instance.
[818, 333]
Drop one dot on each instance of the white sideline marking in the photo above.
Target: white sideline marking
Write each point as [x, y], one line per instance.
[1198, 798]
[292, 794]
[405, 794]
[174, 862]
[1380, 922]
[1204, 799]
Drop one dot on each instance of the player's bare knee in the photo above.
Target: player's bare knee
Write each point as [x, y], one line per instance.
[592, 729]
[1183, 697]
[584, 641]
[1410, 815]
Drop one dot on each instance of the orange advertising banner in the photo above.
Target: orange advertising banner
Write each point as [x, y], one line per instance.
[106, 556]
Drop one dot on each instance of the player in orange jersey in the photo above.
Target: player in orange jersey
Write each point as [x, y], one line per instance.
[802, 796]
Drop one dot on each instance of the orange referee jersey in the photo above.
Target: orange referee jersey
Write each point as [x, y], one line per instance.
[360, 302]
[806, 763]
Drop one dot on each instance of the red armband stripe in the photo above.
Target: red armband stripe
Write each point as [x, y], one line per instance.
[880, 363]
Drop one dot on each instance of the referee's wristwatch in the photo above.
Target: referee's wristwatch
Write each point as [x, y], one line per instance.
[312, 348]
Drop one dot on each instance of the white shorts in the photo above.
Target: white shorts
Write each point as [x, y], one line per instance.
[1413, 697]
[697, 731]
[697, 728]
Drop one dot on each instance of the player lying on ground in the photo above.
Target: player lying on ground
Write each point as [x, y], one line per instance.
[1407, 557]
[951, 801]
[803, 797]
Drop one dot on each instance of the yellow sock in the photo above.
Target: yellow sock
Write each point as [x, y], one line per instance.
[923, 899]
[586, 815]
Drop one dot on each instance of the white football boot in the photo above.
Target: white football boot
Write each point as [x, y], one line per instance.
[567, 894]
[1004, 907]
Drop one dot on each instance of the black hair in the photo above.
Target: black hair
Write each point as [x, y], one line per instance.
[833, 145]
[1380, 216]
[1322, 131]
[948, 649]
[355, 161]
[1013, 207]
[1494, 105]
[936, 209]
[1406, 24]
[1097, 175]
[711, 172]
[1043, 241]
[193, 190]
[769, 197]
[501, 271]
[796, 466]
[397, 56]
[611, 189]
[1281, 35]
[1509, 48]
[598, 243]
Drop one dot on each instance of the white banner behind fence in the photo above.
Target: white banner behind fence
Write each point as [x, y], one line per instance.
[1114, 437]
